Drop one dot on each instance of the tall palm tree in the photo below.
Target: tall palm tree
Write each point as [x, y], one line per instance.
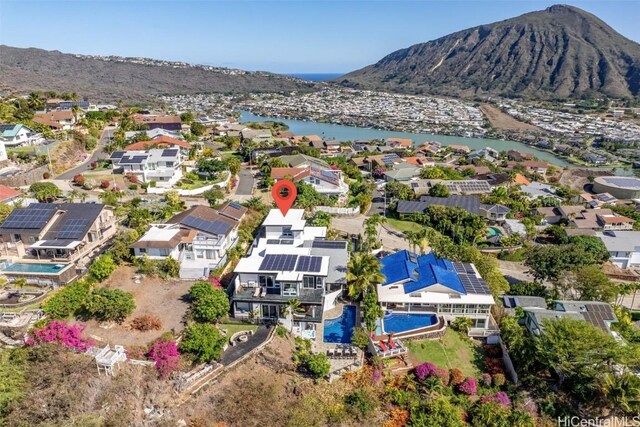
[73, 195]
[363, 273]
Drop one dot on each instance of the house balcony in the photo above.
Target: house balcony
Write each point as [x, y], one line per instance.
[274, 295]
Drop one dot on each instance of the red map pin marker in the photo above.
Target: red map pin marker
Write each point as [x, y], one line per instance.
[284, 193]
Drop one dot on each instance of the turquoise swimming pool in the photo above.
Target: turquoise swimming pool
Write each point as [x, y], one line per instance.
[23, 267]
[400, 322]
[493, 231]
[340, 329]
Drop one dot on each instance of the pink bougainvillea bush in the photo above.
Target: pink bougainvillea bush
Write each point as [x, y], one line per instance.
[425, 370]
[500, 397]
[215, 282]
[443, 376]
[166, 356]
[468, 386]
[62, 333]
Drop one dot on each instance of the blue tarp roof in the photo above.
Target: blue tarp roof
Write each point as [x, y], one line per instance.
[421, 271]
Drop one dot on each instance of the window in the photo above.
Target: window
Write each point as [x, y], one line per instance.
[308, 282]
[286, 232]
[143, 250]
[290, 289]
[267, 281]
[17, 237]
[318, 282]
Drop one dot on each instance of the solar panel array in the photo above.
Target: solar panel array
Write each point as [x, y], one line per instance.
[279, 242]
[598, 314]
[73, 229]
[388, 159]
[6, 127]
[28, 218]
[235, 205]
[468, 187]
[55, 243]
[278, 262]
[471, 283]
[172, 152]
[329, 244]
[133, 159]
[117, 154]
[213, 227]
[310, 264]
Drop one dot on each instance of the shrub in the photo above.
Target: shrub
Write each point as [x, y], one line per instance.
[360, 338]
[493, 365]
[166, 356]
[133, 187]
[106, 304]
[500, 397]
[46, 175]
[468, 386]
[146, 323]
[152, 184]
[170, 267]
[318, 365]
[203, 341]
[209, 303]
[136, 352]
[67, 301]
[456, 376]
[486, 379]
[499, 380]
[94, 165]
[102, 267]
[79, 179]
[492, 350]
[132, 178]
[281, 331]
[461, 324]
[425, 370]
[57, 332]
[443, 376]
[360, 402]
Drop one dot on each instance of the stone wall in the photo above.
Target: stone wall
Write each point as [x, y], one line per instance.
[25, 178]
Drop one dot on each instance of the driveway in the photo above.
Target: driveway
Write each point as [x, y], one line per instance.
[97, 153]
[245, 182]
[377, 203]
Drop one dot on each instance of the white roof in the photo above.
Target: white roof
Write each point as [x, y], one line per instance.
[432, 297]
[160, 234]
[621, 241]
[294, 218]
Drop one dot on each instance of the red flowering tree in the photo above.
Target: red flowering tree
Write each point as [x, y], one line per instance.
[105, 184]
[79, 179]
[456, 376]
[425, 370]
[94, 165]
[132, 178]
[166, 357]
[62, 333]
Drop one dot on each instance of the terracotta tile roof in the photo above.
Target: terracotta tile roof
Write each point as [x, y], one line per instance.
[479, 170]
[403, 142]
[55, 116]
[161, 141]
[521, 179]
[614, 219]
[295, 173]
[47, 122]
[7, 193]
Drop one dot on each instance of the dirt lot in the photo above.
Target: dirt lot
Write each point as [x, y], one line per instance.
[154, 296]
[503, 121]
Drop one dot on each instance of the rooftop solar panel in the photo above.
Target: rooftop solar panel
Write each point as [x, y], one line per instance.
[169, 152]
[329, 244]
[310, 264]
[28, 218]
[213, 227]
[278, 262]
[73, 229]
[6, 127]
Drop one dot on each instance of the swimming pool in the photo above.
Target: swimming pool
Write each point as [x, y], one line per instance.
[493, 231]
[23, 267]
[398, 323]
[340, 329]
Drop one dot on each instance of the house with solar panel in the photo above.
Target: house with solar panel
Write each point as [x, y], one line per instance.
[13, 135]
[599, 314]
[471, 204]
[424, 293]
[45, 242]
[197, 238]
[162, 166]
[324, 181]
[288, 260]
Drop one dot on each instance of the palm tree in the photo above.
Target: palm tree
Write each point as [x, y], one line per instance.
[363, 273]
[413, 238]
[293, 306]
[73, 195]
[622, 391]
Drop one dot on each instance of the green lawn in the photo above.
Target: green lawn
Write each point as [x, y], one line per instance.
[232, 328]
[403, 226]
[451, 351]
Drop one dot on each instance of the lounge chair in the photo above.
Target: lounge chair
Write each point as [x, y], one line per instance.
[383, 346]
[392, 344]
[264, 293]
[330, 353]
[256, 293]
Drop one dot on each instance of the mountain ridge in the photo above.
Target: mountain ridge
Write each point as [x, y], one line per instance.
[559, 52]
[113, 78]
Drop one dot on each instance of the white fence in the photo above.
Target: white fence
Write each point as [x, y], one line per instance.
[338, 211]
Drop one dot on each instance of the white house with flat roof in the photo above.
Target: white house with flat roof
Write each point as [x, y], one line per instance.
[428, 284]
[290, 260]
[162, 166]
[623, 247]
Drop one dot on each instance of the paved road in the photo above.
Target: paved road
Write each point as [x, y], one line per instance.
[245, 182]
[377, 203]
[98, 153]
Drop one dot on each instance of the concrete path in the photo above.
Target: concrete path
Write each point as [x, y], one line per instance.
[234, 353]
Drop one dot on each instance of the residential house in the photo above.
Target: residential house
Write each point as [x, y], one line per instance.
[8, 195]
[459, 149]
[430, 148]
[472, 204]
[623, 247]
[421, 187]
[62, 104]
[404, 143]
[197, 238]
[304, 139]
[151, 121]
[13, 135]
[290, 260]
[162, 166]
[519, 156]
[595, 159]
[513, 226]
[256, 135]
[597, 200]
[153, 134]
[371, 163]
[162, 141]
[56, 120]
[402, 172]
[427, 284]
[599, 314]
[324, 181]
[533, 166]
[494, 179]
[489, 154]
[536, 190]
[45, 242]
[511, 302]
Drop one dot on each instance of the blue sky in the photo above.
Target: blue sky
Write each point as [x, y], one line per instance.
[280, 36]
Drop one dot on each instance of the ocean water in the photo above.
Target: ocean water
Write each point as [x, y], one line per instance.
[316, 77]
